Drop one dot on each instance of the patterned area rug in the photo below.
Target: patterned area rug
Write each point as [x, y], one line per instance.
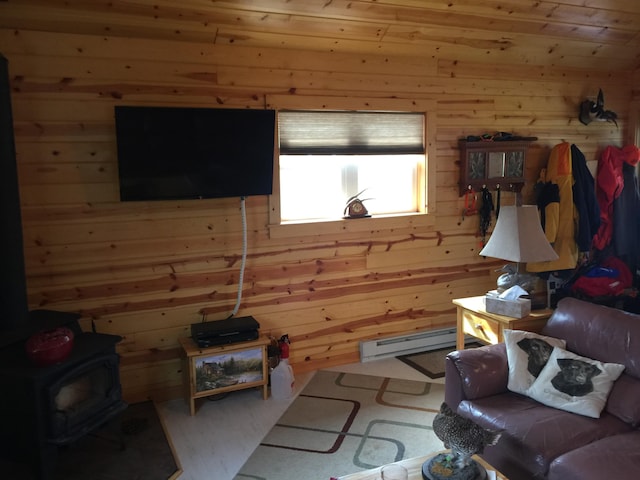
[343, 423]
[431, 363]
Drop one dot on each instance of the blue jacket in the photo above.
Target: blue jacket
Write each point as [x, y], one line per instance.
[585, 201]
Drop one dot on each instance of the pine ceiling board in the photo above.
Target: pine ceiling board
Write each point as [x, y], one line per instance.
[307, 83]
[184, 21]
[546, 52]
[620, 5]
[478, 45]
[580, 11]
[605, 14]
[551, 11]
[617, 30]
[50, 69]
[619, 13]
[129, 50]
[477, 69]
[117, 70]
[557, 104]
[130, 93]
[348, 103]
[512, 103]
[563, 34]
[51, 19]
[605, 25]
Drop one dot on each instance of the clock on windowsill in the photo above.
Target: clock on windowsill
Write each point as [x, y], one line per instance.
[356, 209]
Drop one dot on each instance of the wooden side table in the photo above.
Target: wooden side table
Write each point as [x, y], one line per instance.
[414, 468]
[474, 320]
[224, 368]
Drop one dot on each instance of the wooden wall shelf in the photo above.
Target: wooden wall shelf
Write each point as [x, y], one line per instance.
[495, 164]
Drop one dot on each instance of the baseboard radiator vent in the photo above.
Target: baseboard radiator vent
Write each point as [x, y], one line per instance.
[406, 344]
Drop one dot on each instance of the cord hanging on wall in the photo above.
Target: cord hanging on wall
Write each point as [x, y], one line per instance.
[244, 257]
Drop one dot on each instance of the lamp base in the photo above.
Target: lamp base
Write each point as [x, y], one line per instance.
[513, 277]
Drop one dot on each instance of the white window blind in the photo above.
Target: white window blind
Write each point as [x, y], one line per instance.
[351, 133]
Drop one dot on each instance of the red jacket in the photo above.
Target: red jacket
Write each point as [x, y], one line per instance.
[609, 184]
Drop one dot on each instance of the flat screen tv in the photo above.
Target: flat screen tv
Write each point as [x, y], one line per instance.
[172, 153]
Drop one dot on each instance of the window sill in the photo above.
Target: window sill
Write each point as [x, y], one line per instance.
[352, 225]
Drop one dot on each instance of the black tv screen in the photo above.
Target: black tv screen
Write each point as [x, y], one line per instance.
[170, 153]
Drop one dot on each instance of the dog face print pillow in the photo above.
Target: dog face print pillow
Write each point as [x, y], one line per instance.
[527, 354]
[574, 383]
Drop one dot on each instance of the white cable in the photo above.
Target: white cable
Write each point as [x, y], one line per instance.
[244, 257]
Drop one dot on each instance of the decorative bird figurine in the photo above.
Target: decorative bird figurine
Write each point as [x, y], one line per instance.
[590, 110]
[512, 276]
[464, 437]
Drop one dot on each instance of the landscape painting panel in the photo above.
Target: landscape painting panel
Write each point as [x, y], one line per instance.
[228, 369]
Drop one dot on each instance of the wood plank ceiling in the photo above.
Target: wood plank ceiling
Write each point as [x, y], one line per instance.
[566, 33]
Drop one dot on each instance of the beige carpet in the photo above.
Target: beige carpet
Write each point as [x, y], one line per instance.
[343, 423]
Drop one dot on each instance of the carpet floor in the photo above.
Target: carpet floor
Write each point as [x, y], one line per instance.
[147, 453]
[343, 423]
[431, 363]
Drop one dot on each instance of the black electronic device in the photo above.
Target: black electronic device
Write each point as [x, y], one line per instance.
[221, 332]
[175, 153]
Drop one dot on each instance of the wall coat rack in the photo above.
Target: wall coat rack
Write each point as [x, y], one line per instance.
[492, 165]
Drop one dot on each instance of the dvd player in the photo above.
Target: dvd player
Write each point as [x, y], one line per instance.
[220, 332]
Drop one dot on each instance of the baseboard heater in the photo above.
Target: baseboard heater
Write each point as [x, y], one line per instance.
[406, 344]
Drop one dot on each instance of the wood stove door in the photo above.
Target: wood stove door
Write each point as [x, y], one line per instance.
[83, 399]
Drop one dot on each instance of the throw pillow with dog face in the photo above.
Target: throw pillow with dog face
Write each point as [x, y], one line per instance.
[574, 383]
[527, 354]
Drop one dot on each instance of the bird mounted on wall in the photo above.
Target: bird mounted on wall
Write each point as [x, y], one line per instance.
[465, 438]
[590, 110]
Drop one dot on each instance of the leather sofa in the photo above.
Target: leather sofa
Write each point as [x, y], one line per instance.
[541, 442]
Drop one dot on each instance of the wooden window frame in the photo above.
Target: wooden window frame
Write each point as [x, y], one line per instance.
[424, 218]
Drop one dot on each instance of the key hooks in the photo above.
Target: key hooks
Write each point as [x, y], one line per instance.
[489, 163]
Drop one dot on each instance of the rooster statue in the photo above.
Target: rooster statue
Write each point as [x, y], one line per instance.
[465, 438]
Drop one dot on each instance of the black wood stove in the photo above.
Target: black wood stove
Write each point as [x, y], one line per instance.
[42, 408]
[52, 406]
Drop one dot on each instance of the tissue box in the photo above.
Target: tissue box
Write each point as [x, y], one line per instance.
[518, 308]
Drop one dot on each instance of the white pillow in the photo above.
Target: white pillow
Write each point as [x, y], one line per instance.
[574, 383]
[527, 354]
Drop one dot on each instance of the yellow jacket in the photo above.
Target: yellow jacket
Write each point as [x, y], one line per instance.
[561, 220]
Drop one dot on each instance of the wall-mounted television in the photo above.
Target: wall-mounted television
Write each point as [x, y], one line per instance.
[173, 153]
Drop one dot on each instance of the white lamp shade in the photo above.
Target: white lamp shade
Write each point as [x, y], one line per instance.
[518, 237]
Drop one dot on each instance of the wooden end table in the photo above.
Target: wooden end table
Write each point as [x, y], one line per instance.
[224, 368]
[473, 319]
[414, 467]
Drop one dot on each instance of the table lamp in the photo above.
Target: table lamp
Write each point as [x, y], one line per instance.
[518, 237]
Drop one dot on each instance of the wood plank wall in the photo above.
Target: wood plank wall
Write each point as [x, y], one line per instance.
[146, 271]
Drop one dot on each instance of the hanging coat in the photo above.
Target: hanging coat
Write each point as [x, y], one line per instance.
[609, 185]
[560, 230]
[626, 220]
[548, 202]
[585, 201]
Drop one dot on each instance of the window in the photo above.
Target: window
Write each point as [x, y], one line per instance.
[327, 157]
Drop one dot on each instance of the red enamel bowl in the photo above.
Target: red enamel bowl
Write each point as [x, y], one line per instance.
[50, 346]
